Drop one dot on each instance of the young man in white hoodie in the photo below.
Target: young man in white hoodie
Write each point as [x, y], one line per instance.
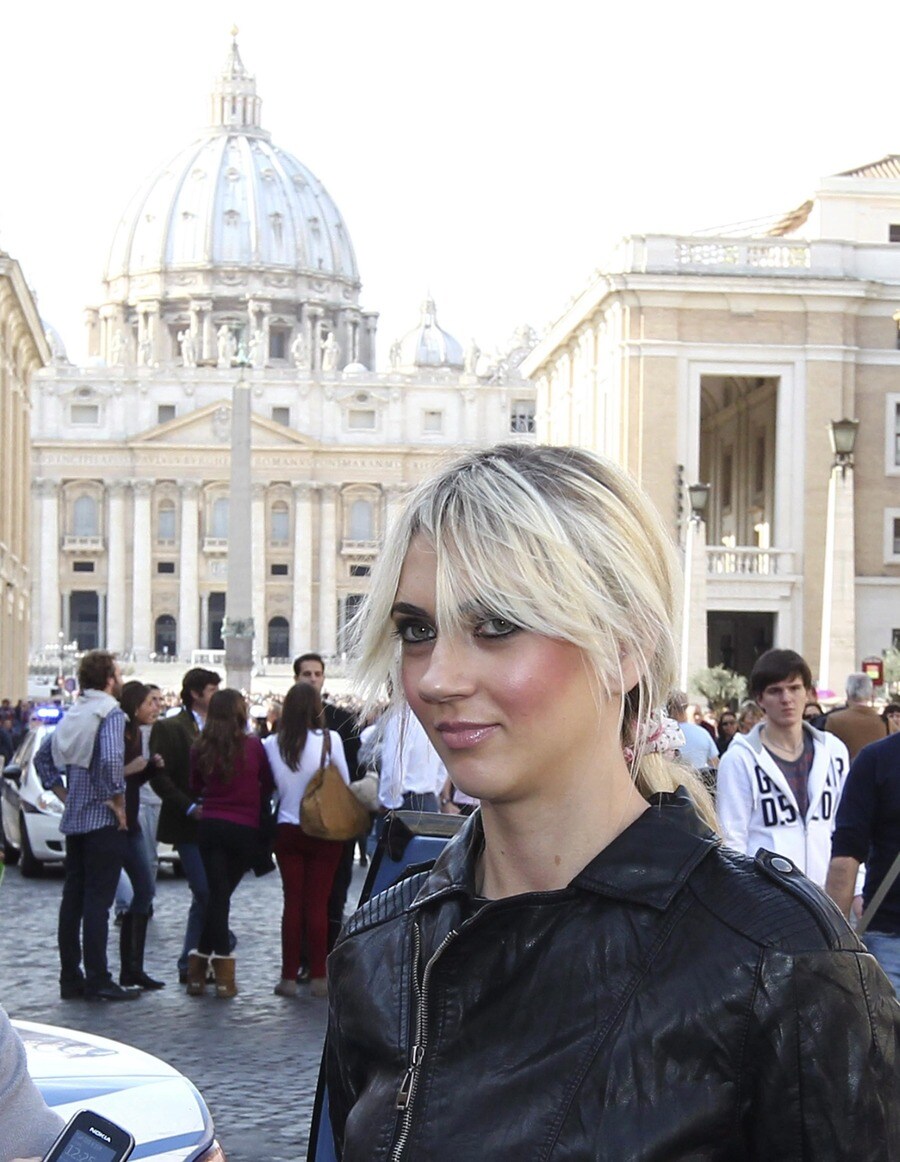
[778, 787]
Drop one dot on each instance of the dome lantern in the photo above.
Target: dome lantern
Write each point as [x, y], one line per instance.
[235, 104]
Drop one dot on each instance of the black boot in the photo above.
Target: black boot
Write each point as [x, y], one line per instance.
[132, 939]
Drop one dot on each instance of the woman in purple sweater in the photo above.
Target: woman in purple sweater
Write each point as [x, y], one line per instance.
[230, 773]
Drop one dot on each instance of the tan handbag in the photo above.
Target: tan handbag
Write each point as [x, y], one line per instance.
[329, 810]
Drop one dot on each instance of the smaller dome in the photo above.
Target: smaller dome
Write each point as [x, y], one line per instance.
[427, 345]
[355, 369]
[58, 352]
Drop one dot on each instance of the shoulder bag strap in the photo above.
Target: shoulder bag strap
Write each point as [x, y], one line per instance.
[326, 749]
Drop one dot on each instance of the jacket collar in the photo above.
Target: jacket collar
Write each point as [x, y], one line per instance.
[647, 864]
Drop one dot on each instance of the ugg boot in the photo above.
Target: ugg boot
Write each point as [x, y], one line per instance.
[132, 939]
[196, 973]
[223, 966]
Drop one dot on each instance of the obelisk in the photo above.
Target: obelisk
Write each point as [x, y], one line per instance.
[237, 628]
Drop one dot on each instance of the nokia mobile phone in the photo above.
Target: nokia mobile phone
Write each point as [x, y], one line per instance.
[90, 1138]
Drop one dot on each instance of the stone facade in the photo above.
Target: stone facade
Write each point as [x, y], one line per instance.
[724, 359]
[23, 349]
[233, 264]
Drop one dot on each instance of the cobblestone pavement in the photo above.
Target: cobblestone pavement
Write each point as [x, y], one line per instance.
[255, 1059]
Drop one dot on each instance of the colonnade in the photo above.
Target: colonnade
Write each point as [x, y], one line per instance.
[132, 594]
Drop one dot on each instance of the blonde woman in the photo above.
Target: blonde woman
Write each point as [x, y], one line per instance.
[585, 972]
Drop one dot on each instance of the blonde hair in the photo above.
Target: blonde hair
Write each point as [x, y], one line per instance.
[559, 542]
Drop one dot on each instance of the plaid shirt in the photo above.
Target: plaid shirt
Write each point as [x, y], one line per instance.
[89, 786]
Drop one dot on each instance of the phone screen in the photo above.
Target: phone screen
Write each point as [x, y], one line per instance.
[82, 1147]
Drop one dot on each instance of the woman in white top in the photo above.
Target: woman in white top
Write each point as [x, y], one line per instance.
[307, 865]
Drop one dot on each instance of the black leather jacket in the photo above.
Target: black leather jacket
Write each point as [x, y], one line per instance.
[676, 1001]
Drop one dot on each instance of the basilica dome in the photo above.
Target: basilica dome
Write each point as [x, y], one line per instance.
[428, 344]
[231, 200]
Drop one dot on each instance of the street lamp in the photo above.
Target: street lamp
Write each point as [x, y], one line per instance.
[837, 644]
[842, 434]
[699, 498]
[693, 624]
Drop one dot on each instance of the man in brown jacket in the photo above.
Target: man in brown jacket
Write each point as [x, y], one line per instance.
[859, 723]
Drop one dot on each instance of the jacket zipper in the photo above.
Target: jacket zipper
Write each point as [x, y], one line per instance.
[407, 1092]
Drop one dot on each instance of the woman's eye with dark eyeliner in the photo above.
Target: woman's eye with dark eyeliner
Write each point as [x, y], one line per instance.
[412, 632]
[496, 627]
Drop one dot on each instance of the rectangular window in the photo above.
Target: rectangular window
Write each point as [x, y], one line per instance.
[165, 412]
[894, 232]
[360, 570]
[521, 416]
[281, 416]
[82, 566]
[361, 420]
[85, 413]
[165, 566]
[895, 639]
[278, 343]
[892, 536]
[433, 423]
[897, 435]
[279, 570]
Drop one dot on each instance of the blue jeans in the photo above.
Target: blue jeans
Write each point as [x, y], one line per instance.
[195, 872]
[148, 817]
[137, 868]
[885, 947]
[420, 801]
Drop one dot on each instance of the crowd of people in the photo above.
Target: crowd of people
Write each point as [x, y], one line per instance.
[629, 950]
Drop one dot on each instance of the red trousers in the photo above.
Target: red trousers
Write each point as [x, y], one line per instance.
[307, 869]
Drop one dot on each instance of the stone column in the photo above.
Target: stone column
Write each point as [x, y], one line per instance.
[102, 625]
[202, 311]
[188, 586]
[394, 497]
[48, 606]
[258, 576]
[141, 637]
[693, 621]
[837, 652]
[327, 643]
[301, 617]
[66, 602]
[116, 637]
[204, 622]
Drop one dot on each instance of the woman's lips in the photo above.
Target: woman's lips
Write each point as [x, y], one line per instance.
[462, 735]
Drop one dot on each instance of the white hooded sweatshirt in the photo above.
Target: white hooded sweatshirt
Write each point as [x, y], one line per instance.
[757, 808]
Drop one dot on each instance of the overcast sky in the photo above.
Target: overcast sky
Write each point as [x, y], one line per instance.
[490, 150]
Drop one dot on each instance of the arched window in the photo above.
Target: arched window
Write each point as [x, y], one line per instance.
[85, 518]
[165, 635]
[220, 518]
[281, 522]
[362, 521]
[279, 638]
[165, 521]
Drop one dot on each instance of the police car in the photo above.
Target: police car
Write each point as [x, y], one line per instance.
[159, 1106]
[29, 815]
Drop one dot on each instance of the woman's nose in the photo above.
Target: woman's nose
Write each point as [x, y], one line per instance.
[449, 673]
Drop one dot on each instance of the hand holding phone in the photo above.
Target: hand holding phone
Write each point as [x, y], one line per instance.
[91, 1138]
